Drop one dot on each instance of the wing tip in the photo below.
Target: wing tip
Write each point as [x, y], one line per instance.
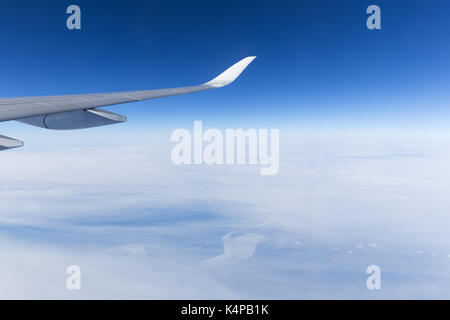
[231, 74]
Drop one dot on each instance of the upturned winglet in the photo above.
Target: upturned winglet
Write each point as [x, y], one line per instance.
[229, 75]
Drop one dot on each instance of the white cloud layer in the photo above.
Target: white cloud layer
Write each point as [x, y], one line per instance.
[140, 227]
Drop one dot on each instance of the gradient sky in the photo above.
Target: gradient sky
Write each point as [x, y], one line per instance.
[317, 62]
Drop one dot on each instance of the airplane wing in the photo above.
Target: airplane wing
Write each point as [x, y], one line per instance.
[79, 111]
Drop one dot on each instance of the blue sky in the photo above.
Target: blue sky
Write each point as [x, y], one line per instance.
[364, 161]
[317, 62]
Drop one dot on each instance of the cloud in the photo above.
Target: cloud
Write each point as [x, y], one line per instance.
[146, 228]
[39, 272]
[236, 249]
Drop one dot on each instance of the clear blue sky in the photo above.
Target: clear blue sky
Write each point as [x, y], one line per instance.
[317, 61]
